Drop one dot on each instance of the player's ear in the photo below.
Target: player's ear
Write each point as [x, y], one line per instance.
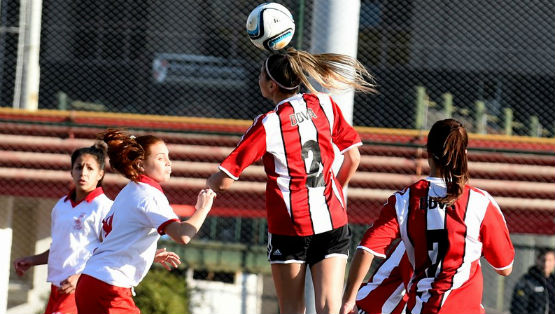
[140, 166]
[100, 175]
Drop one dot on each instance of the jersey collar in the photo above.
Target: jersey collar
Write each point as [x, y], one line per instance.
[89, 198]
[299, 95]
[437, 181]
[148, 180]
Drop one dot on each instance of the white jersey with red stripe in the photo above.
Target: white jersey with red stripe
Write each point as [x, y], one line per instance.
[385, 292]
[296, 143]
[76, 231]
[444, 244]
[131, 230]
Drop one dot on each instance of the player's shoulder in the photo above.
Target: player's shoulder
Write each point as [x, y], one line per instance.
[418, 187]
[477, 190]
[62, 203]
[103, 200]
[260, 119]
[63, 200]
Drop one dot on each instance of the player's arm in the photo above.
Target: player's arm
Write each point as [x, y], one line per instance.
[358, 270]
[219, 181]
[505, 272]
[374, 243]
[345, 137]
[250, 148]
[183, 231]
[350, 164]
[22, 264]
[497, 246]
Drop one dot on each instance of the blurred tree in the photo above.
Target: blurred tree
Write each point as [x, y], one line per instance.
[163, 292]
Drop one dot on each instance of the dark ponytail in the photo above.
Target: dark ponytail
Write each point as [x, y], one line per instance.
[447, 143]
[98, 151]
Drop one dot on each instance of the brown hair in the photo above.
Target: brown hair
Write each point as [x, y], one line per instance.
[447, 142]
[292, 68]
[127, 152]
[98, 151]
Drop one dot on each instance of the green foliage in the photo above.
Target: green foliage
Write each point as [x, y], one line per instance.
[163, 292]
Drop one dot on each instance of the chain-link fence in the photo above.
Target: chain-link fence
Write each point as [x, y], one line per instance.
[171, 67]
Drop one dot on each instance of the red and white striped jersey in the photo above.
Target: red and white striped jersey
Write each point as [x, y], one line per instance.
[444, 244]
[385, 292]
[296, 143]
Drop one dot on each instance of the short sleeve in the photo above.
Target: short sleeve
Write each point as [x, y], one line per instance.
[497, 246]
[377, 238]
[250, 148]
[159, 213]
[343, 134]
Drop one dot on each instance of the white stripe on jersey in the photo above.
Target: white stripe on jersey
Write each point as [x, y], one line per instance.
[383, 272]
[275, 146]
[336, 192]
[435, 220]
[325, 103]
[493, 202]
[319, 212]
[476, 210]
[393, 300]
[402, 210]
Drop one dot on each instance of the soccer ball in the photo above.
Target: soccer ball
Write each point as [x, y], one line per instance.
[270, 26]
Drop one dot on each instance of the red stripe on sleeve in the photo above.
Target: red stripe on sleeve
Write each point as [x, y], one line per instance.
[162, 228]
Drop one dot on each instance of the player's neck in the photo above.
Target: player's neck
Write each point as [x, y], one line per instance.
[279, 97]
[80, 195]
[434, 170]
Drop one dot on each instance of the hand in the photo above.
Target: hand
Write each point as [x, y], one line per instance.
[167, 259]
[69, 284]
[205, 199]
[349, 307]
[22, 264]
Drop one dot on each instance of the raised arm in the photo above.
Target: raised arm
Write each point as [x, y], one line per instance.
[219, 181]
[183, 231]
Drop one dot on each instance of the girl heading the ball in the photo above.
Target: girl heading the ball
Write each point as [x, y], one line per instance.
[306, 209]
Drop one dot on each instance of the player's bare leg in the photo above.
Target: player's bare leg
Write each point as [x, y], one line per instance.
[328, 276]
[289, 282]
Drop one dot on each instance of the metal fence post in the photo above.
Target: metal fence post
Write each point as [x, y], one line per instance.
[535, 127]
[508, 122]
[448, 105]
[481, 117]
[421, 108]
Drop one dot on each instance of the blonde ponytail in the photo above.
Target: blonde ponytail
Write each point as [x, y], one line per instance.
[332, 71]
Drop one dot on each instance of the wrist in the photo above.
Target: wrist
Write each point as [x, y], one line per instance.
[197, 208]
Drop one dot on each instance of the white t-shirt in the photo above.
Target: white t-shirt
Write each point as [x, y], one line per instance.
[131, 230]
[76, 230]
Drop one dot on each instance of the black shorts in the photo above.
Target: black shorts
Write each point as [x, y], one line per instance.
[311, 249]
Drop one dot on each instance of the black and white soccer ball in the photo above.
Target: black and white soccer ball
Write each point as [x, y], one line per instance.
[270, 26]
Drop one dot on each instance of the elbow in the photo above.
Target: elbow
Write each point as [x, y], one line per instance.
[356, 157]
[505, 272]
[183, 240]
[218, 187]
[352, 157]
[218, 183]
